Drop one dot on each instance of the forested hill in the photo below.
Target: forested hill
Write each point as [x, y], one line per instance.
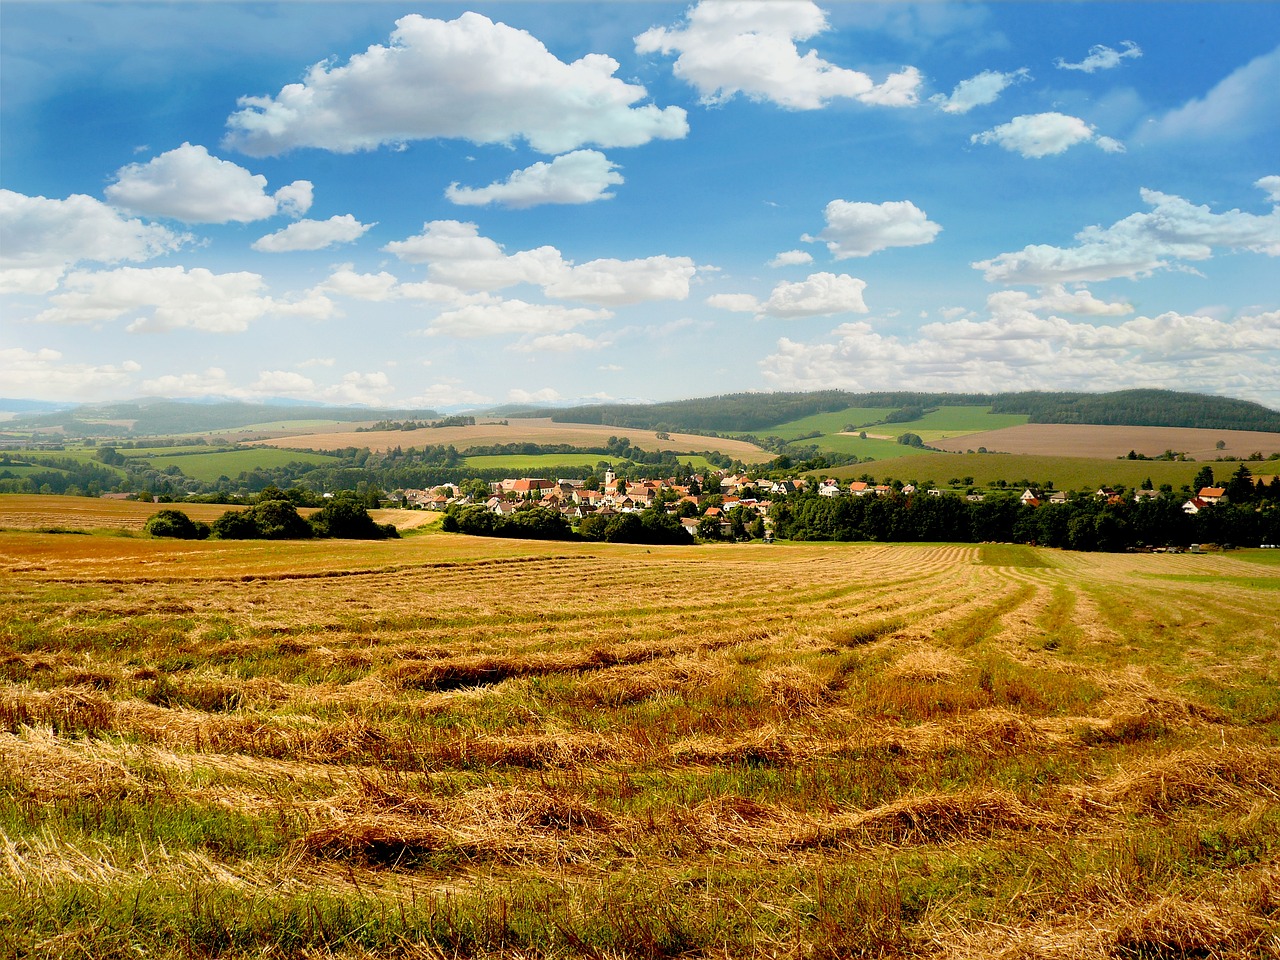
[155, 417]
[753, 412]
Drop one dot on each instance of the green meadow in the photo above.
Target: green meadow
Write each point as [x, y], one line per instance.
[231, 463]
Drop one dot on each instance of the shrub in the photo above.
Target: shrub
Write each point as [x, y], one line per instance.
[176, 524]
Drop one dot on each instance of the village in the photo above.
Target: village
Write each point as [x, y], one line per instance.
[702, 500]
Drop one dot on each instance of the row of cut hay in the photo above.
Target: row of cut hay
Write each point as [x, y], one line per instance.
[1229, 776]
[449, 673]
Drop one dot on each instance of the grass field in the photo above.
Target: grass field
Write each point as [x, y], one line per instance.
[956, 421]
[546, 461]
[1066, 473]
[231, 463]
[826, 422]
[436, 747]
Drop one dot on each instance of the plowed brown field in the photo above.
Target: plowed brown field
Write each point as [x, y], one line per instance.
[1085, 440]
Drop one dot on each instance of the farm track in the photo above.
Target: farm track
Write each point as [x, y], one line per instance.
[743, 741]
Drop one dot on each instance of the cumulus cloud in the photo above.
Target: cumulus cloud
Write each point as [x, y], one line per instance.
[861, 229]
[190, 184]
[1037, 135]
[512, 316]
[469, 79]
[43, 238]
[171, 298]
[1242, 105]
[729, 47]
[545, 395]
[1173, 231]
[818, 295]
[583, 176]
[457, 255]
[1021, 351]
[1272, 187]
[46, 375]
[313, 235]
[352, 388]
[978, 91]
[561, 343]
[1102, 57]
[791, 258]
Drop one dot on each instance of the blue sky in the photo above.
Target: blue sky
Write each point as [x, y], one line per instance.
[446, 205]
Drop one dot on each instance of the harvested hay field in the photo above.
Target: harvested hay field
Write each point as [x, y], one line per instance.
[516, 430]
[1109, 442]
[452, 747]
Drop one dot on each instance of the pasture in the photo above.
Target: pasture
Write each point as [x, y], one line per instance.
[518, 463]
[454, 747]
[208, 467]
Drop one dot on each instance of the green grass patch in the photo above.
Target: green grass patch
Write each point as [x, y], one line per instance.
[1012, 555]
[1251, 583]
[833, 422]
[210, 466]
[544, 461]
[956, 422]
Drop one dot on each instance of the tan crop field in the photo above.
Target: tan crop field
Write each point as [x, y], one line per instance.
[455, 747]
[1086, 440]
[542, 431]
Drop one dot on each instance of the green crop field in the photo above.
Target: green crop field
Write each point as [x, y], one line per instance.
[545, 461]
[1066, 473]
[480, 748]
[948, 422]
[872, 447]
[173, 451]
[210, 466]
[825, 422]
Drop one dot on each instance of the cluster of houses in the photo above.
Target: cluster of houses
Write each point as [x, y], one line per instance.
[575, 501]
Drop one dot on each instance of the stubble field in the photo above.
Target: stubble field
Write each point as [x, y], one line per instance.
[444, 746]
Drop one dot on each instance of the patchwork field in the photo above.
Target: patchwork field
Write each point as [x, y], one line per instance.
[1084, 440]
[1066, 473]
[543, 431]
[456, 747]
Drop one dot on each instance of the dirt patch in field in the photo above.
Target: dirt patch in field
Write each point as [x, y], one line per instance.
[1087, 440]
[541, 431]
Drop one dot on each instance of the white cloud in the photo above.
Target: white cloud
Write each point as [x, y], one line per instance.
[449, 393]
[468, 78]
[355, 387]
[313, 235]
[1240, 106]
[978, 91]
[791, 258]
[1037, 135]
[318, 362]
[45, 375]
[456, 255]
[170, 298]
[43, 238]
[1174, 230]
[512, 316]
[369, 389]
[583, 176]
[861, 229]
[561, 343]
[1102, 57]
[1272, 187]
[818, 295]
[545, 395]
[1019, 351]
[729, 47]
[191, 185]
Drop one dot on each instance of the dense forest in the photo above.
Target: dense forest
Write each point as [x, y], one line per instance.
[747, 412]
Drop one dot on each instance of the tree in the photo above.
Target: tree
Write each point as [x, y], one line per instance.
[344, 516]
[1240, 488]
[176, 524]
[1203, 479]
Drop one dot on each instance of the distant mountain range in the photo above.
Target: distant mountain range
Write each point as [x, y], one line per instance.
[730, 413]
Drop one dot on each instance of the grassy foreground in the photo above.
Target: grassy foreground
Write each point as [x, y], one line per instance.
[445, 746]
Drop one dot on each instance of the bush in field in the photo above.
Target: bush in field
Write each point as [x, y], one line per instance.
[176, 524]
[344, 516]
[237, 525]
[280, 520]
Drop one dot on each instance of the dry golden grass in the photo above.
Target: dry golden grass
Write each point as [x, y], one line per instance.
[496, 749]
[526, 430]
